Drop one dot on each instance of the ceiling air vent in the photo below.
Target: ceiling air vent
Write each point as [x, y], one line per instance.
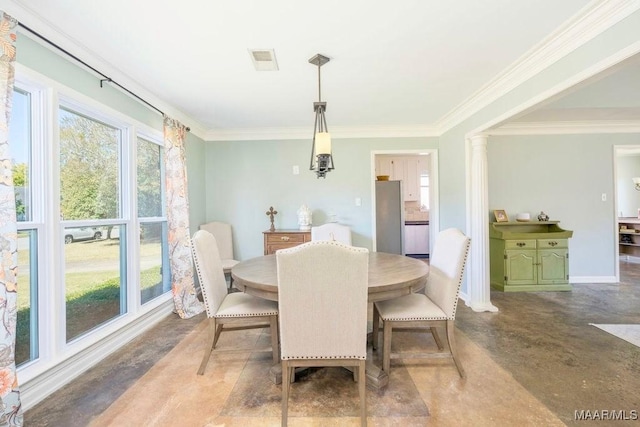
[264, 59]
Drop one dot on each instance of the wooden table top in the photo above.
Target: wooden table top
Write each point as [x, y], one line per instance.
[390, 276]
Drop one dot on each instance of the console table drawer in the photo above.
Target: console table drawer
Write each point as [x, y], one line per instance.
[553, 243]
[283, 239]
[520, 244]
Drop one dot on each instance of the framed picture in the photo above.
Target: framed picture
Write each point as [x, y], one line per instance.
[501, 216]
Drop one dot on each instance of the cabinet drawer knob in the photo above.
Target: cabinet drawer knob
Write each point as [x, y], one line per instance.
[520, 244]
[285, 238]
[553, 243]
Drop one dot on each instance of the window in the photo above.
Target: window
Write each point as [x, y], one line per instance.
[154, 256]
[424, 192]
[94, 264]
[21, 144]
[92, 249]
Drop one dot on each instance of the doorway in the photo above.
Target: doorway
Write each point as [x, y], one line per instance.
[627, 203]
[418, 171]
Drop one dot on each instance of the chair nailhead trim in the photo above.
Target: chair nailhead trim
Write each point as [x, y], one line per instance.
[267, 313]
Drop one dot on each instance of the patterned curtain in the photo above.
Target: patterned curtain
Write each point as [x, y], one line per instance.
[10, 406]
[182, 280]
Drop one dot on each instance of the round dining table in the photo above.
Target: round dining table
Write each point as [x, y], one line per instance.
[390, 276]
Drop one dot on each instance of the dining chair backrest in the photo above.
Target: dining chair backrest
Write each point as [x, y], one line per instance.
[446, 269]
[322, 298]
[332, 231]
[206, 257]
[224, 237]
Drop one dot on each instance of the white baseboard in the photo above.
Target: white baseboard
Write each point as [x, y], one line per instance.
[630, 258]
[37, 389]
[592, 279]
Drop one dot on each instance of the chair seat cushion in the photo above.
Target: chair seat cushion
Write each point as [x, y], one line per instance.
[227, 264]
[239, 304]
[410, 307]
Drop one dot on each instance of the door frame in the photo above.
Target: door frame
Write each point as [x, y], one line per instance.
[619, 151]
[434, 195]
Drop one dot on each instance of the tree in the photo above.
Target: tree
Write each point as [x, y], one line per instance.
[89, 168]
[20, 181]
[149, 179]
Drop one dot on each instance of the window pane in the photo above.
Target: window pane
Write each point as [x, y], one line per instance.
[424, 192]
[149, 179]
[27, 326]
[89, 168]
[154, 270]
[20, 137]
[94, 278]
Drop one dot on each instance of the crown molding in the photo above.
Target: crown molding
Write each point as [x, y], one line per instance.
[567, 128]
[590, 22]
[340, 132]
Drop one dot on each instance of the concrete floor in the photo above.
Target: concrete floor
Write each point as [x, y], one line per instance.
[535, 362]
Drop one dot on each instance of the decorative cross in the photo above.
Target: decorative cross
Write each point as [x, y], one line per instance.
[271, 213]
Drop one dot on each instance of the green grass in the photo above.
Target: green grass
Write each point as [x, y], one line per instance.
[92, 297]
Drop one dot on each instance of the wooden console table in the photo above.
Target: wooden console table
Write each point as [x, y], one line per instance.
[282, 239]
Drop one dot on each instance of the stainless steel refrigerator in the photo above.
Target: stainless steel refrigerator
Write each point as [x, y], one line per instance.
[389, 217]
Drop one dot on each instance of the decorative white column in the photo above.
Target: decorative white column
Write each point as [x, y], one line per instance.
[479, 282]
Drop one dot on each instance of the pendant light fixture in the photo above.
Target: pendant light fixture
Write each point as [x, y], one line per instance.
[321, 160]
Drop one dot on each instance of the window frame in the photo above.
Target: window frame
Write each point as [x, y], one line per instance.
[47, 96]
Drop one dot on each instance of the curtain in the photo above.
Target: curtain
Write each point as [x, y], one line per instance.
[10, 406]
[182, 279]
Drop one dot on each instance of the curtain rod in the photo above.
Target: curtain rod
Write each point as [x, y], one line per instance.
[105, 77]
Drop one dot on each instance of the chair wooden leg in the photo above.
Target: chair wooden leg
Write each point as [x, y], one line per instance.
[386, 345]
[452, 348]
[436, 338]
[218, 329]
[376, 327]
[275, 348]
[285, 391]
[362, 391]
[207, 351]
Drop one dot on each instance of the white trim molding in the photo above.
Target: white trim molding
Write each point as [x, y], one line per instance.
[568, 127]
[594, 19]
[338, 132]
[37, 389]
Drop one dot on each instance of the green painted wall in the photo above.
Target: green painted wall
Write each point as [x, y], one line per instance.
[245, 178]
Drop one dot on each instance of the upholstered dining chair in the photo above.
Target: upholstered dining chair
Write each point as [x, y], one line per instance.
[332, 231]
[228, 311]
[436, 307]
[322, 297]
[224, 236]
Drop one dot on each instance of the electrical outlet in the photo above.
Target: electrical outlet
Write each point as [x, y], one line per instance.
[604, 197]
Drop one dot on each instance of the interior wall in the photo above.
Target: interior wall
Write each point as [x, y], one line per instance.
[566, 176]
[245, 178]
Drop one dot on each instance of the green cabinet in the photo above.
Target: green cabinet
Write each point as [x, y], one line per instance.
[532, 256]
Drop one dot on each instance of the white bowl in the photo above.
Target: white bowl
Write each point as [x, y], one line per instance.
[523, 217]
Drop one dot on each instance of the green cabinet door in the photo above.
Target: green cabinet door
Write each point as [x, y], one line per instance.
[553, 266]
[520, 267]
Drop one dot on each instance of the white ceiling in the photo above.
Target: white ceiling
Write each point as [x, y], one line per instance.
[402, 64]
